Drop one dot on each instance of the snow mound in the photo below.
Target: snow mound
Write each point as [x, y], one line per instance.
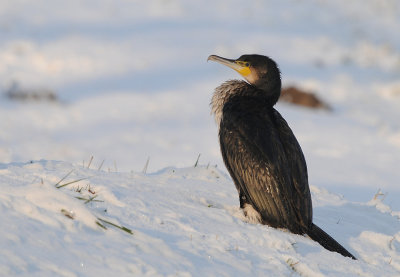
[67, 220]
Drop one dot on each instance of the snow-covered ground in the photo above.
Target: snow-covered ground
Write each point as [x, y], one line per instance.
[185, 222]
[133, 84]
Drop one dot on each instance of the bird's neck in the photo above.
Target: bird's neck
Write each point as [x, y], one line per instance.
[270, 90]
[238, 88]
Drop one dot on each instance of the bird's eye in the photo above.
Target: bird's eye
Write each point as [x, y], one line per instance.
[247, 64]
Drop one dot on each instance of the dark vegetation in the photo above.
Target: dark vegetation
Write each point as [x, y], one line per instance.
[17, 93]
[303, 98]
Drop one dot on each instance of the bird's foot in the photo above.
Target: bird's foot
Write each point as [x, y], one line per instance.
[251, 214]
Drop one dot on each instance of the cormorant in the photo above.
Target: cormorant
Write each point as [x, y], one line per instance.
[261, 152]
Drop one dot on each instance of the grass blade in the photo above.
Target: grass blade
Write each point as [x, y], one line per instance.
[101, 165]
[90, 162]
[129, 231]
[72, 182]
[146, 165]
[101, 225]
[197, 161]
[90, 199]
[63, 178]
[68, 214]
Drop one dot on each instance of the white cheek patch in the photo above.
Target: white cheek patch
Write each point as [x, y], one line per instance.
[251, 78]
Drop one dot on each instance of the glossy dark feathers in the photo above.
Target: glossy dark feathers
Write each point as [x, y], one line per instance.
[266, 163]
[262, 154]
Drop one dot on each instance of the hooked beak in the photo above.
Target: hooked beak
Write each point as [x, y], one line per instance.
[239, 66]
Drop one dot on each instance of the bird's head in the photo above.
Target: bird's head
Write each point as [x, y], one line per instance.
[258, 70]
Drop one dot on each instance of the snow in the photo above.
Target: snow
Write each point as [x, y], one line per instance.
[185, 222]
[134, 86]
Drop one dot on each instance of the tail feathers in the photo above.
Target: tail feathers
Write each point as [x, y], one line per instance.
[318, 235]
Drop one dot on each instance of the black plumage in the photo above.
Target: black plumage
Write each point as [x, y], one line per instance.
[261, 152]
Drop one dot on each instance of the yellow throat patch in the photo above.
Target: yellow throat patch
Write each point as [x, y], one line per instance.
[244, 69]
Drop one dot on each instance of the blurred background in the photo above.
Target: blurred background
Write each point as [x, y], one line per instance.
[127, 81]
